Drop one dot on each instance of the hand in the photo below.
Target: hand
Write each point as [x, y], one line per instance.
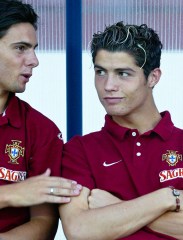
[100, 198]
[39, 189]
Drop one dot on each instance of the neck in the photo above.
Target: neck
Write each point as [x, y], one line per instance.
[141, 122]
[3, 101]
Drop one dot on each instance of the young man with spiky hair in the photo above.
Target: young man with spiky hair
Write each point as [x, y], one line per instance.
[30, 144]
[127, 167]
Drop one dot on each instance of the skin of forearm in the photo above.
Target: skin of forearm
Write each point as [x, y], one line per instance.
[170, 223]
[40, 228]
[115, 221]
[4, 198]
[42, 225]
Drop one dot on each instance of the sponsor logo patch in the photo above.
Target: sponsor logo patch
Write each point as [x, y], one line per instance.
[167, 175]
[12, 176]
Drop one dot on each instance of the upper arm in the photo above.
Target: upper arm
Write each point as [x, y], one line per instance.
[44, 146]
[79, 203]
[75, 163]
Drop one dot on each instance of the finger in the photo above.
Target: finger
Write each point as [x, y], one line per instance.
[57, 199]
[63, 183]
[70, 185]
[63, 192]
[47, 172]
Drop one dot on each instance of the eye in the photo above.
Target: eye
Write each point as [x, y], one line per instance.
[99, 72]
[123, 74]
[20, 48]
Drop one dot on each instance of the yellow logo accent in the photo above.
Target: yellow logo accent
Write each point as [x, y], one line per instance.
[172, 157]
[14, 151]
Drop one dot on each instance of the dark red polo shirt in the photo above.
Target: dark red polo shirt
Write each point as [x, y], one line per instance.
[126, 164]
[29, 144]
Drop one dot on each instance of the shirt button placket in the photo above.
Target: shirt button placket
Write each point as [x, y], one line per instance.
[138, 144]
[138, 154]
[134, 134]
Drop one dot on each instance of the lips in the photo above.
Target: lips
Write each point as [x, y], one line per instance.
[26, 76]
[113, 100]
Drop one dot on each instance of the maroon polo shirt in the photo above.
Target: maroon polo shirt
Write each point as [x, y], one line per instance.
[29, 144]
[127, 164]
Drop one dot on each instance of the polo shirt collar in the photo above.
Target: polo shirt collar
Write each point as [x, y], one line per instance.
[164, 128]
[12, 114]
[114, 129]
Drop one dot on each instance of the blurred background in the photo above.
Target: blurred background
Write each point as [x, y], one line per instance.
[62, 86]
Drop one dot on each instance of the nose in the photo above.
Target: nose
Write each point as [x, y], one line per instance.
[32, 59]
[111, 83]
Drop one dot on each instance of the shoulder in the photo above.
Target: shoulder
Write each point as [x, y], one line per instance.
[178, 131]
[88, 138]
[34, 116]
[89, 142]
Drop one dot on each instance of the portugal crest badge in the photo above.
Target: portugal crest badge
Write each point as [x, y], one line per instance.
[172, 157]
[14, 151]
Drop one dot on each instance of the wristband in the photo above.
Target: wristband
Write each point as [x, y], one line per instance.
[176, 194]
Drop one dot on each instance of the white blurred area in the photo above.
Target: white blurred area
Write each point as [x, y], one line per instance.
[168, 93]
[47, 92]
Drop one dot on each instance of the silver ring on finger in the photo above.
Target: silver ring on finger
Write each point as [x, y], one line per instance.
[51, 191]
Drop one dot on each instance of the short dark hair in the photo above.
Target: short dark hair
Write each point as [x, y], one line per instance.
[140, 41]
[14, 12]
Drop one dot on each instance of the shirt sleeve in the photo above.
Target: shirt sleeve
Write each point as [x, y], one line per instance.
[75, 164]
[46, 150]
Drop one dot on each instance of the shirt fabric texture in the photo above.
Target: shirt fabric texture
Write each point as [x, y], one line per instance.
[127, 164]
[29, 144]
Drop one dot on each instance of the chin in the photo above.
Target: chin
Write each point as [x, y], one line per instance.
[113, 112]
[117, 113]
[20, 90]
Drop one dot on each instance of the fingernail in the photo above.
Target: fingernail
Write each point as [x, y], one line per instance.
[74, 182]
[76, 191]
[78, 186]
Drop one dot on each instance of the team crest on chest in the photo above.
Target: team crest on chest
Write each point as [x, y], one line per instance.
[14, 151]
[172, 157]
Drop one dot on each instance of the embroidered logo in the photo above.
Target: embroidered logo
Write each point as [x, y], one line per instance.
[110, 164]
[14, 151]
[172, 157]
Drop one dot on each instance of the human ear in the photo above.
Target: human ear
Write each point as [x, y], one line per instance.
[154, 77]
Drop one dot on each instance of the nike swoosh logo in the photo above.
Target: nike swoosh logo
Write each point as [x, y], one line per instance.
[110, 164]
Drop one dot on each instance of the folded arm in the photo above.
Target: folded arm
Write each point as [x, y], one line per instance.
[170, 223]
[112, 221]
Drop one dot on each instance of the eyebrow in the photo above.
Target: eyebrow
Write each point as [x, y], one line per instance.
[26, 44]
[117, 69]
[97, 66]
